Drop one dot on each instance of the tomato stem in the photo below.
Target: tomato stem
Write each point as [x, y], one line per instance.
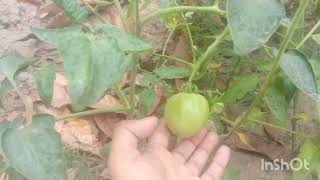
[92, 112]
[315, 27]
[175, 59]
[276, 64]
[135, 59]
[122, 16]
[209, 53]
[95, 12]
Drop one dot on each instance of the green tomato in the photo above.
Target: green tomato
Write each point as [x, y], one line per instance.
[186, 114]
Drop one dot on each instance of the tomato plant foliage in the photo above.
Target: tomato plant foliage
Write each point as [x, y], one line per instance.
[240, 56]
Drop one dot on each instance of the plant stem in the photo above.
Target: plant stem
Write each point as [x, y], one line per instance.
[294, 121]
[133, 86]
[167, 41]
[315, 27]
[122, 96]
[201, 9]
[122, 16]
[276, 64]
[190, 39]
[281, 128]
[209, 53]
[137, 22]
[135, 59]
[92, 112]
[95, 12]
[175, 59]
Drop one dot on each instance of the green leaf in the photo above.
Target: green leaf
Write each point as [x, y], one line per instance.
[309, 152]
[298, 69]
[316, 69]
[148, 98]
[5, 86]
[55, 36]
[125, 41]
[278, 97]
[77, 14]
[83, 172]
[242, 85]
[172, 72]
[252, 23]
[45, 79]
[36, 151]
[11, 64]
[149, 79]
[316, 38]
[14, 175]
[167, 3]
[88, 60]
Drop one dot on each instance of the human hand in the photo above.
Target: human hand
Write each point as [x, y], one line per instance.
[186, 161]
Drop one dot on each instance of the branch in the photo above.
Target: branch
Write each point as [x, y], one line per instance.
[92, 112]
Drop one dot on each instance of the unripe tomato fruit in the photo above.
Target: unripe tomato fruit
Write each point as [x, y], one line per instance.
[186, 114]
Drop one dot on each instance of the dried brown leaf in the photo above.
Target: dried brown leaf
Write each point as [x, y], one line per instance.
[107, 122]
[60, 96]
[105, 102]
[79, 134]
[262, 145]
[34, 2]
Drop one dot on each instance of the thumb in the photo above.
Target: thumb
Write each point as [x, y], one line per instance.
[128, 134]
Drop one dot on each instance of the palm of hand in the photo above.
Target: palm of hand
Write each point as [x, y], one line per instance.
[186, 161]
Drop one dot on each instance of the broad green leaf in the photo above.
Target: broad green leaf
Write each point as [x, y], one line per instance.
[126, 42]
[316, 69]
[5, 86]
[14, 175]
[16, 123]
[298, 69]
[242, 85]
[11, 64]
[55, 36]
[148, 98]
[36, 151]
[83, 172]
[316, 38]
[149, 79]
[3, 127]
[278, 97]
[77, 14]
[167, 3]
[255, 115]
[79, 69]
[309, 152]
[93, 63]
[171, 72]
[252, 23]
[278, 105]
[45, 79]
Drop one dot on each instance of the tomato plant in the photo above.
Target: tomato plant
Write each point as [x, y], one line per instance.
[240, 52]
